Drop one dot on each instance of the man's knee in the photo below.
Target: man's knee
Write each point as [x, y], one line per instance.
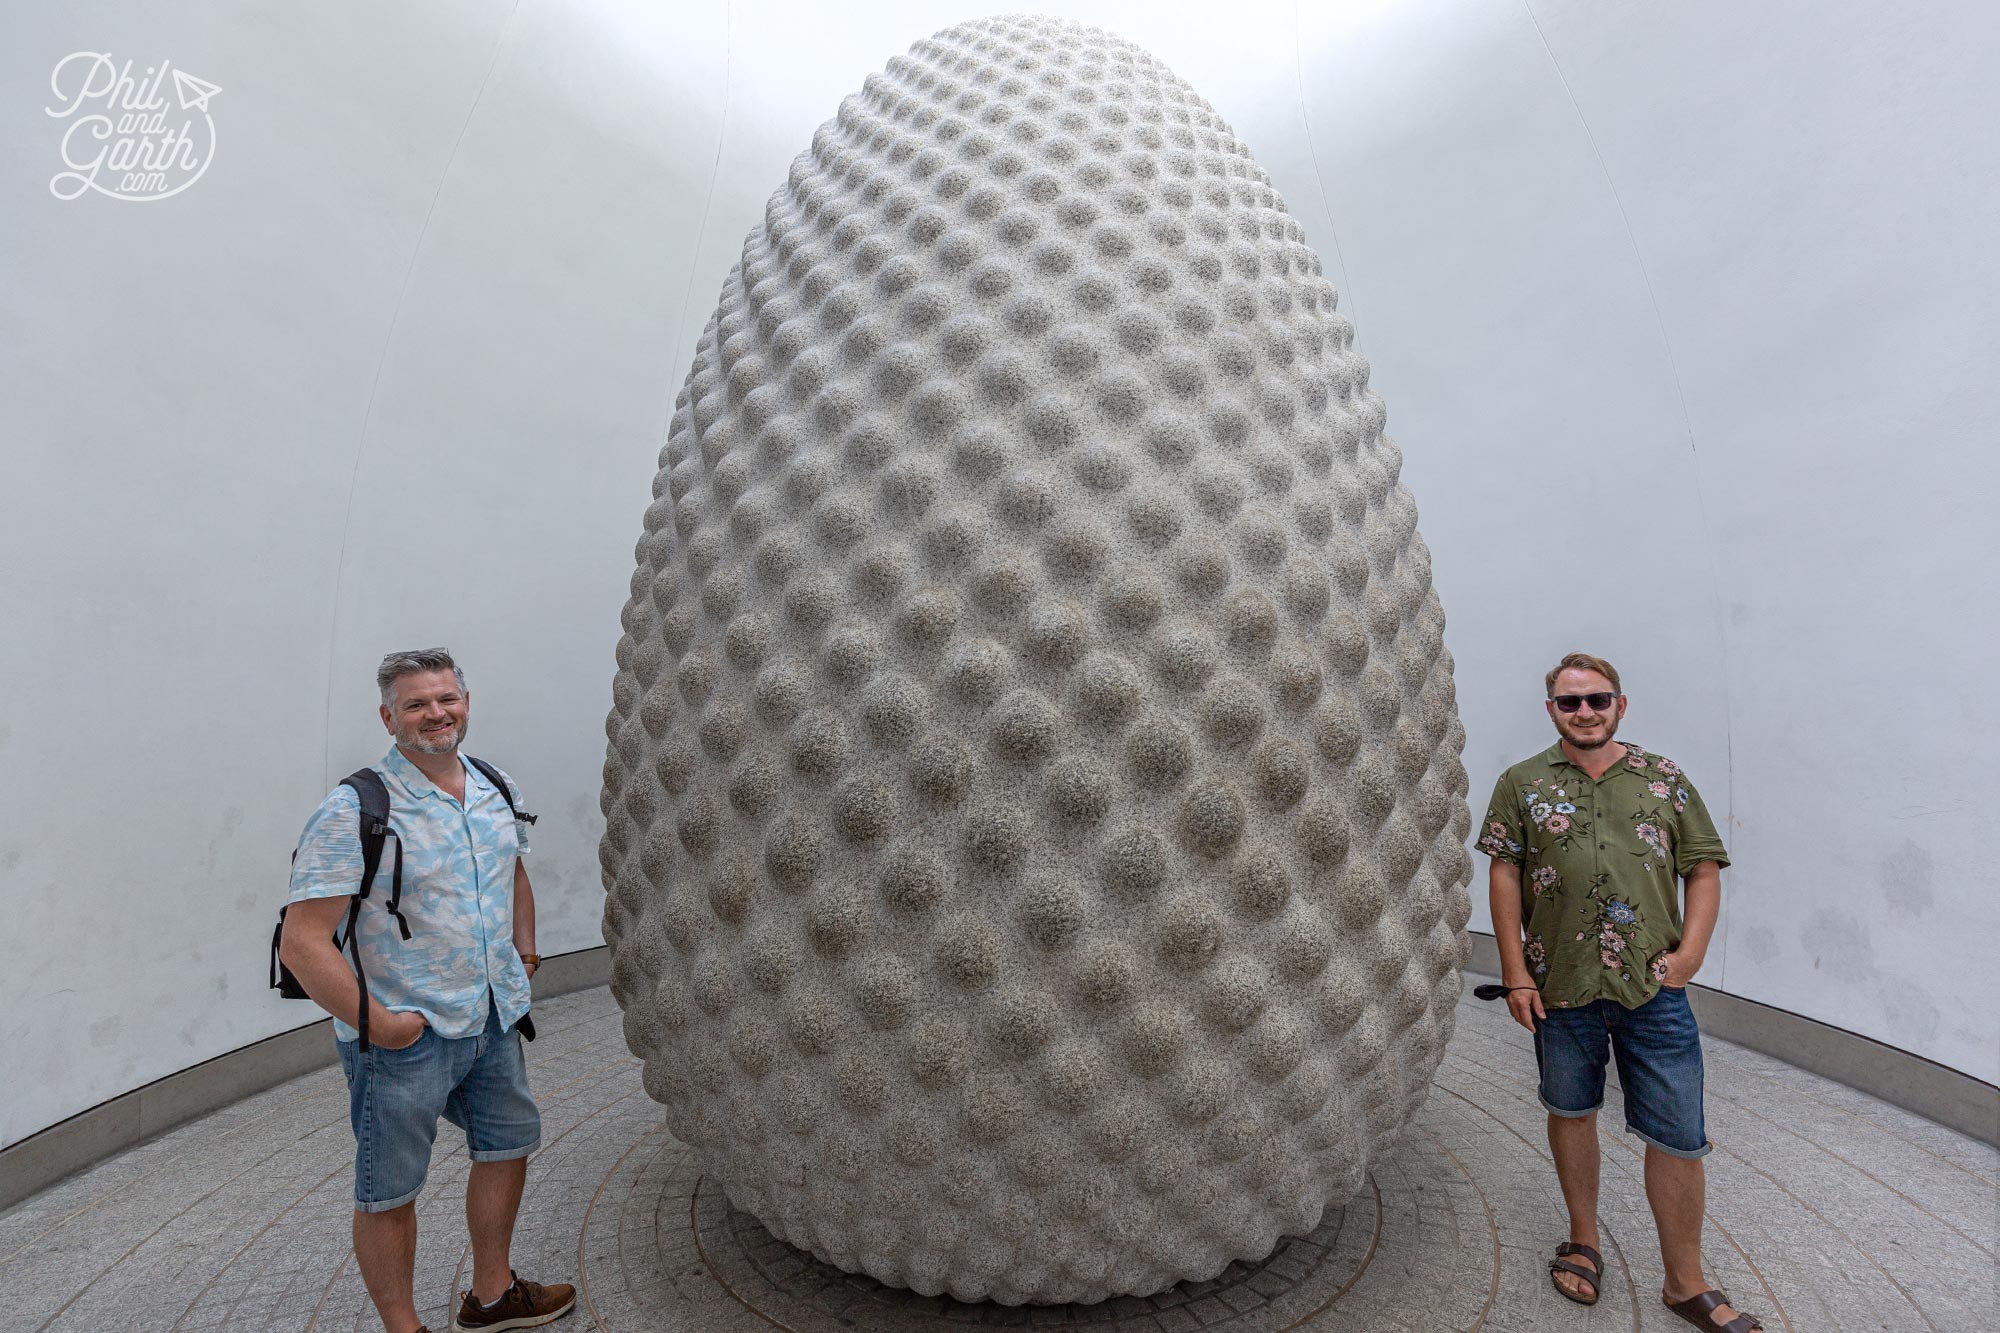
[498, 1170]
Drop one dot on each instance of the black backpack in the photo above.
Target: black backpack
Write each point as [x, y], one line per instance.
[375, 831]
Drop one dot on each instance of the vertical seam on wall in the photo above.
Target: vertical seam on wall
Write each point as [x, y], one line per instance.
[1687, 427]
[1319, 179]
[708, 198]
[375, 385]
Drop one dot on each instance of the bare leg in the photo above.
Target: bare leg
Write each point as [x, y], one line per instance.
[1677, 1188]
[385, 1245]
[1573, 1142]
[492, 1200]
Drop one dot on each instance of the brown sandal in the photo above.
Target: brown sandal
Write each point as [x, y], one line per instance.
[1595, 1279]
[1695, 1310]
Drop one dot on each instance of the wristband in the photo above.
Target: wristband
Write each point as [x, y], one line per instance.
[534, 958]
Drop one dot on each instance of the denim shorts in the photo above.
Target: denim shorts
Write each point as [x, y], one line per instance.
[1658, 1049]
[394, 1099]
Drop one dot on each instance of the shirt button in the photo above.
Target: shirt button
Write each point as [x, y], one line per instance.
[1600, 846]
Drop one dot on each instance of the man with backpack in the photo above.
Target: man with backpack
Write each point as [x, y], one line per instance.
[415, 868]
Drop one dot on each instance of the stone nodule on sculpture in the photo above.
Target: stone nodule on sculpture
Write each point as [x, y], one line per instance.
[1035, 842]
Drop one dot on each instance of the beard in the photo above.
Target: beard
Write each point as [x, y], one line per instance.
[443, 742]
[1596, 742]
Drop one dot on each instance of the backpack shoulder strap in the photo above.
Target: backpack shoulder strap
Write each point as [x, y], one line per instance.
[373, 828]
[374, 821]
[492, 775]
[375, 833]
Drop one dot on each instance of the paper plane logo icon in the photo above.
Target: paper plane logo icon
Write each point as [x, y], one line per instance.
[194, 93]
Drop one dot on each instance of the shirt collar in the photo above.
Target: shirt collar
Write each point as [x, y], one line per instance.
[413, 778]
[1557, 759]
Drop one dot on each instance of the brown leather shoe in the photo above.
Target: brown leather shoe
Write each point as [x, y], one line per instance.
[526, 1305]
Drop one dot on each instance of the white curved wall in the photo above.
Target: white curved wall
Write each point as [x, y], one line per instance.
[1682, 314]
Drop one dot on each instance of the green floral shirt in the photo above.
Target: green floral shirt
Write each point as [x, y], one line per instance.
[1600, 865]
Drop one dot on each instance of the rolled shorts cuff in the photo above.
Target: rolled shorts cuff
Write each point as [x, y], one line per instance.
[503, 1154]
[1651, 1142]
[386, 1205]
[1553, 1109]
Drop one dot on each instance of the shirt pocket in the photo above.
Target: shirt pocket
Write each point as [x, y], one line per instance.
[495, 828]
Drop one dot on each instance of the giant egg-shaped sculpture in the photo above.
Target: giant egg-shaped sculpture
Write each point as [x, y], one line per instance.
[1035, 824]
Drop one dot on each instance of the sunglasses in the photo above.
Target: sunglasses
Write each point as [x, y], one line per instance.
[1569, 703]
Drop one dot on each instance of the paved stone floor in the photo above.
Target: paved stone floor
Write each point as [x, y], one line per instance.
[1828, 1210]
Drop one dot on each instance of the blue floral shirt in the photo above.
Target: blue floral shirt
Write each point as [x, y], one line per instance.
[458, 896]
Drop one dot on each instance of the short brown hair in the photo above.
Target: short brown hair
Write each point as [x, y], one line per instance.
[1585, 662]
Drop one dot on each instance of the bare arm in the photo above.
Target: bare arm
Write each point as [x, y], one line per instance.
[1503, 892]
[524, 915]
[308, 951]
[1703, 900]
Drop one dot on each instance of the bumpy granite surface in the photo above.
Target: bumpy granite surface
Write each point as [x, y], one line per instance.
[1036, 832]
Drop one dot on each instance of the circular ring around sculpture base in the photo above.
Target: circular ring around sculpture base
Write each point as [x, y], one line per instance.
[774, 1280]
[662, 1240]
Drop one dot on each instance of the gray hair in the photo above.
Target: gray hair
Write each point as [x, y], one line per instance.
[398, 665]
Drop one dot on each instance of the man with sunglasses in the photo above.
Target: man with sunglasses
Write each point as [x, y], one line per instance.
[1591, 841]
